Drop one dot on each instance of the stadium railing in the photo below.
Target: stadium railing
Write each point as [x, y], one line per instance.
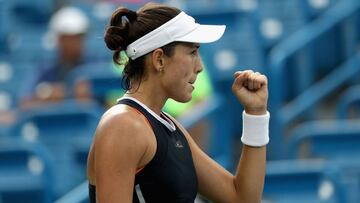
[284, 110]
[350, 98]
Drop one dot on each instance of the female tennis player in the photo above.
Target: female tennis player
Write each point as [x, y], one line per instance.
[140, 153]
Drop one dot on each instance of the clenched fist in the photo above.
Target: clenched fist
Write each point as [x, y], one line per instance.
[251, 90]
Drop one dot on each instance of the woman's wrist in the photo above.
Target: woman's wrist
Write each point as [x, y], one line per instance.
[256, 111]
[255, 129]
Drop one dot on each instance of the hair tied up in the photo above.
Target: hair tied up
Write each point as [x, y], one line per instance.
[114, 38]
[116, 34]
[131, 16]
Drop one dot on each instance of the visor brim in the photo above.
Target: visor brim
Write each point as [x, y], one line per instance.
[204, 34]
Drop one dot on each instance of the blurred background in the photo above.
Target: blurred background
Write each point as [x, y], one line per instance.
[57, 78]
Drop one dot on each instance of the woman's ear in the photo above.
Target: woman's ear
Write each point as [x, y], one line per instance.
[158, 59]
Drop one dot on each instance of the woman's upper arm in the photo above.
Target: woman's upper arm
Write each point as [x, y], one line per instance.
[214, 182]
[119, 148]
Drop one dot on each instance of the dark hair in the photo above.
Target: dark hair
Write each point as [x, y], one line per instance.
[122, 32]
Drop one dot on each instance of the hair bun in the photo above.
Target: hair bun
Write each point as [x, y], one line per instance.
[116, 34]
[114, 38]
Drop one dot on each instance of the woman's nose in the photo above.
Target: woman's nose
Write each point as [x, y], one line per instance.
[199, 65]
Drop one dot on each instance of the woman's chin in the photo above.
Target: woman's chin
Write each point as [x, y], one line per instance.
[184, 99]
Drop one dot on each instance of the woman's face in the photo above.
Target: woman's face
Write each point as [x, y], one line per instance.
[180, 71]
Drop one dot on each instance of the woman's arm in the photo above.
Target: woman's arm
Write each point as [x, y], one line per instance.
[252, 92]
[215, 182]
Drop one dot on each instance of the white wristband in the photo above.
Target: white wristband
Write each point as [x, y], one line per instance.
[255, 129]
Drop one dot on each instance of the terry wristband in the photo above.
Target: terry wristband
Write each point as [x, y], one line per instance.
[255, 129]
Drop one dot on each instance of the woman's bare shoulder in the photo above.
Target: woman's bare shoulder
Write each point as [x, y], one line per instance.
[121, 123]
[123, 116]
[122, 140]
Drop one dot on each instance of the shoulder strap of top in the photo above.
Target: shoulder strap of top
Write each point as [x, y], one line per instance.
[151, 120]
[133, 104]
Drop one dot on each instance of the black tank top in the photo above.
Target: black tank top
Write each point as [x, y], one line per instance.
[170, 176]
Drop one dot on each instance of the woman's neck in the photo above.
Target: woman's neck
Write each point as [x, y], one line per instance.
[149, 95]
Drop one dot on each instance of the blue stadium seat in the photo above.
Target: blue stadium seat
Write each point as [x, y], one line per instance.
[10, 75]
[208, 6]
[95, 47]
[234, 52]
[26, 172]
[34, 45]
[278, 19]
[349, 103]
[315, 8]
[63, 128]
[240, 48]
[4, 30]
[337, 141]
[99, 15]
[236, 19]
[8, 99]
[350, 178]
[25, 23]
[328, 139]
[23, 15]
[302, 181]
[4, 42]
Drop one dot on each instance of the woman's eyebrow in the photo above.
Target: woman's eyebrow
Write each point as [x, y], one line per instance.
[192, 45]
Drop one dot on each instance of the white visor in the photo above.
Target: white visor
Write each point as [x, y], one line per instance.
[181, 28]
